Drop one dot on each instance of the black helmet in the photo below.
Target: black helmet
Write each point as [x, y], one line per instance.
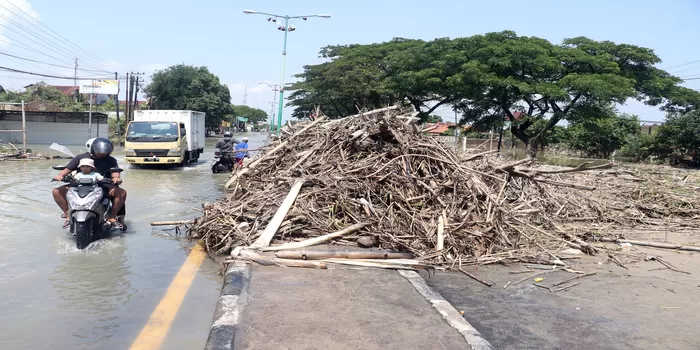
[228, 134]
[101, 145]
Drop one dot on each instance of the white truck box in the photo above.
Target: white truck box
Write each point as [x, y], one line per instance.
[193, 120]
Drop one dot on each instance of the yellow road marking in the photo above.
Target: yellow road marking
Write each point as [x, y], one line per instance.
[153, 334]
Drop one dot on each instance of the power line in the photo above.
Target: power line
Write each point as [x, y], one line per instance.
[70, 53]
[59, 35]
[683, 64]
[49, 75]
[51, 64]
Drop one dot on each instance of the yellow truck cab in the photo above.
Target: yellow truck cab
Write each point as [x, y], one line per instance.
[166, 137]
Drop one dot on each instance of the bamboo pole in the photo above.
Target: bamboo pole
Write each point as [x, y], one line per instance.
[325, 254]
[653, 244]
[316, 240]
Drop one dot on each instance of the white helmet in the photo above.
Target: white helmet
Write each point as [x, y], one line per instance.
[88, 144]
[245, 139]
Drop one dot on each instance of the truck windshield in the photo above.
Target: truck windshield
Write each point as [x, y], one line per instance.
[152, 132]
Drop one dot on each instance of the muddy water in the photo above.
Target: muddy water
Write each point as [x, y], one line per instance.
[54, 296]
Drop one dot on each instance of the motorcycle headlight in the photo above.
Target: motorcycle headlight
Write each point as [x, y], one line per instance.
[86, 203]
[174, 152]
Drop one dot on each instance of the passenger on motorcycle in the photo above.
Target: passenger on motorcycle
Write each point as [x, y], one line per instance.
[100, 152]
[241, 149]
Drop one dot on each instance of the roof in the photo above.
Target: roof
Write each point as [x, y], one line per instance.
[516, 115]
[441, 127]
[67, 90]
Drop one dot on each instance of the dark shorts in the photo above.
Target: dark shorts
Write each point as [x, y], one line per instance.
[239, 161]
[109, 187]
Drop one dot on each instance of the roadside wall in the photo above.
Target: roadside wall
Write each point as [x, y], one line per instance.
[45, 133]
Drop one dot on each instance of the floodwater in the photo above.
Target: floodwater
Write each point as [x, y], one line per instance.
[55, 296]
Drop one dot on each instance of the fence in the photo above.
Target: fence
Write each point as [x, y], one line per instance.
[481, 145]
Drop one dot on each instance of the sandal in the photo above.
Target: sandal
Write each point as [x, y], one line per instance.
[66, 224]
[115, 224]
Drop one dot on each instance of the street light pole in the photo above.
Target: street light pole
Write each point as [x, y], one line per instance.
[284, 66]
[286, 29]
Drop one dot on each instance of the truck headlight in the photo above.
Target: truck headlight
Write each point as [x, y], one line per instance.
[175, 152]
[129, 152]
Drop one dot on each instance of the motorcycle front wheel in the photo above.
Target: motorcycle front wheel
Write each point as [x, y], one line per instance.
[84, 233]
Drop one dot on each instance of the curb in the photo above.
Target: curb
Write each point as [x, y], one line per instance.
[222, 333]
[447, 311]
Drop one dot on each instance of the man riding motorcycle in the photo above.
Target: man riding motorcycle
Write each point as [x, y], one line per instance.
[100, 151]
[227, 144]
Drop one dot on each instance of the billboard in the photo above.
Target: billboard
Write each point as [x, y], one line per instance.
[106, 87]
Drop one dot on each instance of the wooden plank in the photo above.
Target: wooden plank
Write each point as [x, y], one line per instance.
[326, 254]
[274, 224]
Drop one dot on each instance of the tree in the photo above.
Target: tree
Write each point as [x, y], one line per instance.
[679, 137]
[507, 73]
[193, 88]
[600, 136]
[254, 115]
[355, 77]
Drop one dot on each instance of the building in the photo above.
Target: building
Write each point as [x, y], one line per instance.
[47, 127]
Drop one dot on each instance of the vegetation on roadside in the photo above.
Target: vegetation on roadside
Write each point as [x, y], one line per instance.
[496, 78]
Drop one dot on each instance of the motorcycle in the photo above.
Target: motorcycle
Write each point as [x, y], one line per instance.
[88, 208]
[223, 162]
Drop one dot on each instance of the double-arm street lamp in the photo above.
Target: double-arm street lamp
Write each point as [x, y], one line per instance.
[285, 28]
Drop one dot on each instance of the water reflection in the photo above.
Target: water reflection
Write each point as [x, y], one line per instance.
[90, 286]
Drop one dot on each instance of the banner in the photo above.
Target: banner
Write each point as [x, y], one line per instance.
[102, 87]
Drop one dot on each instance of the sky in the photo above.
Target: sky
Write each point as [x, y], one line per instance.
[246, 50]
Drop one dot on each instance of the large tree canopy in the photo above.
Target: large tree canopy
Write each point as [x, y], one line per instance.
[490, 77]
[254, 115]
[190, 88]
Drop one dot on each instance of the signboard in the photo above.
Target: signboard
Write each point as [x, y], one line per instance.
[102, 87]
[242, 119]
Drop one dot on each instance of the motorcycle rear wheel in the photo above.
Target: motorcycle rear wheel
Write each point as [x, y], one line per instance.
[84, 233]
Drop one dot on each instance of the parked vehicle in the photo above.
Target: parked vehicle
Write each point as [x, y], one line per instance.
[173, 137]
[88, 208]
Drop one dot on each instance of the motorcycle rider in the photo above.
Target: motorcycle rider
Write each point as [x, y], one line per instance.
[227, 144]
[100, 152]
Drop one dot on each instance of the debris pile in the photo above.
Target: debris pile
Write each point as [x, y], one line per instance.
[376, 180]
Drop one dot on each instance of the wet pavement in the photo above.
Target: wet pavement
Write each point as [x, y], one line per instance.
[55, 296]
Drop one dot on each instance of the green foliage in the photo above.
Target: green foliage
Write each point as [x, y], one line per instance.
[254, 115]
[601, 136]
[639, 147]
[192, 88]
[433, 119]
[679, 138]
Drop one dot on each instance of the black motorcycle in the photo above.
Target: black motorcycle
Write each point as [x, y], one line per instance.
[223, 162]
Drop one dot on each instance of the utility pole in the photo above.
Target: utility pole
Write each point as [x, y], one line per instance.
[75, 73]
[116, 103]
[245, 96]
[136, 93]
[133, 97]
[127, 102]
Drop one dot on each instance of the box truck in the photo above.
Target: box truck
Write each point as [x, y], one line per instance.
[165, 137]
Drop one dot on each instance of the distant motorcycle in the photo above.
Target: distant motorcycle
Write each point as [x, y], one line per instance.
[88, 208]
[223, 162]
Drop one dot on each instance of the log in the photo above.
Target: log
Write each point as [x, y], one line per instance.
[262, 260]
[274, 224]
[386, 264]
[653, 244]
[347, 254]
[174, 223]
[489, 284]
[316, 240]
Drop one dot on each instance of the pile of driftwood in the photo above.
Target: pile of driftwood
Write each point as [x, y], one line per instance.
[376, 180]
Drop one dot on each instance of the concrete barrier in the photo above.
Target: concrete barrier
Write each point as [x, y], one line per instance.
[222, 333]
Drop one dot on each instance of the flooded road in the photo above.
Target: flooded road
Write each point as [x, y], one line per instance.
[54, 296]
